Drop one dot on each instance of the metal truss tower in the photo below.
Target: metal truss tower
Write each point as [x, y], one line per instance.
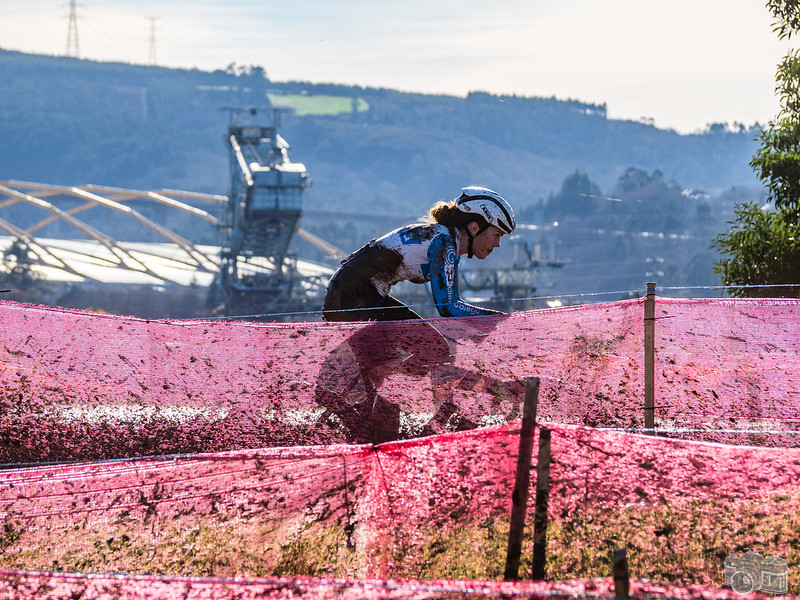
[72, 30]
[152, 53]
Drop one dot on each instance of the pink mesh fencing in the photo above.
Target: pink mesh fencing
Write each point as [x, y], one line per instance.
[30, 586]
[234, 450]
[729, 370]
[433, 509]
[681, 508]
[83, 386]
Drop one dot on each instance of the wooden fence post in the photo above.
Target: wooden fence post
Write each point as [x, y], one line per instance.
[540, 512]
[649, 356]
[619, 561]
[520, 496]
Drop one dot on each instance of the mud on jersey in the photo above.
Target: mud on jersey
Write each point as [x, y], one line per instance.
[420, 254]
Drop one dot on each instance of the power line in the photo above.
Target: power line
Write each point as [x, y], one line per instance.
[152, 52]
[72, 30]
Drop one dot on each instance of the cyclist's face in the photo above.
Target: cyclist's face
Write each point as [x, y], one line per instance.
[486, 241]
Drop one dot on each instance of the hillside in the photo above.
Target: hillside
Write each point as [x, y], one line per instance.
[427, 145]
[374, 152]
[70, 121]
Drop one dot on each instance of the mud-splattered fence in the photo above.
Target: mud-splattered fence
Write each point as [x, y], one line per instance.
[250, 463]
[77, 385]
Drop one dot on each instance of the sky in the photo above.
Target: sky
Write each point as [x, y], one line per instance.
[679, 64]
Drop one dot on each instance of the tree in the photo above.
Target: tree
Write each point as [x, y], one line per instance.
[636, 179]
[25, 283]
[646, 202]
[762, 242]
[777, 161]
[765, 249]
[579, 196]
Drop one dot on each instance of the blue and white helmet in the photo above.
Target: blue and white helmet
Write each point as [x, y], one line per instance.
[489, 205]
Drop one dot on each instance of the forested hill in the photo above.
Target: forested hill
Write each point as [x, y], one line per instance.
[611, 184]
[71, 121]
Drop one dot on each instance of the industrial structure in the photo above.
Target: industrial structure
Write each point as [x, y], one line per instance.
[233, 250]
[237, 249]
[256, 272]
[59, 233]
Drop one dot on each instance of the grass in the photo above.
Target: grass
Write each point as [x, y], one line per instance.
[677, 542]
[217, 547]
[682, 542]
[319, 104]
[466, 553]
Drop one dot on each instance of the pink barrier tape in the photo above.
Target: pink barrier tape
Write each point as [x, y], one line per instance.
[27, 585]
[83, 386]
[607, 468]
[682, 509]
[273, 510]
[189, 514]
[429, 508]
[281, 490]
[729, 365]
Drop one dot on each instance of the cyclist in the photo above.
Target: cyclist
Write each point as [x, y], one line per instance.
[472, 224]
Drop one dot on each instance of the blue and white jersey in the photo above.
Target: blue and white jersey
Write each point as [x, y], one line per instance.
[418, 253]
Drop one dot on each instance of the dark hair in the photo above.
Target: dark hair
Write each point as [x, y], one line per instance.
[447, 213]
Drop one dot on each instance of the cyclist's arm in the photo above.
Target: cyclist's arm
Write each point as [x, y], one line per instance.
[444, 281]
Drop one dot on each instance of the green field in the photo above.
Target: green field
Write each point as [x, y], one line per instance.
[317, 104]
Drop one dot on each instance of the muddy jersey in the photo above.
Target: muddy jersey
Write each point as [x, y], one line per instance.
[420, 254]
